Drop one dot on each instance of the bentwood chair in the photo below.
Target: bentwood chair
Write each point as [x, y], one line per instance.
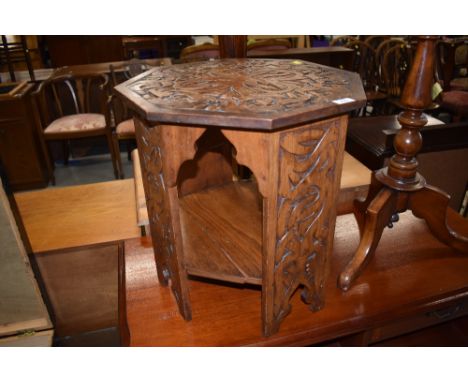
[364, 63]
[123, 128]
[269, 44]
[73, 107]
[395, 67]
[202, 52]
[452, 75]
[342, 40]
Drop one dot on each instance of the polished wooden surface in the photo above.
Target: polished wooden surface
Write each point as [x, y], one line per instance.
[21, 304]
[370, 139]
[58, 218]
[431, 277]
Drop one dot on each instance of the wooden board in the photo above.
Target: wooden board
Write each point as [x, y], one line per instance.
[21, 305]
[222, 232]
[412, 273]
[68, 217]
[81, 284]
[43, 338]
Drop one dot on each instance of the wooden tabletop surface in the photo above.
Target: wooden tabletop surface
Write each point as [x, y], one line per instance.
[263, 94]
[57, 218]
[411, 272]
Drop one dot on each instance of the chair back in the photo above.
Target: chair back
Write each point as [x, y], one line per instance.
[69, 94]
[270, 44]
[364, 63]
[126, 70]
[396, 64]
[451, 60]
[342, 40]
[121, 73]
[375, 40]
[201, 52]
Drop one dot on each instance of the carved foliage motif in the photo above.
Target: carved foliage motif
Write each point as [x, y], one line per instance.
[157, 203]
[305, 192]
[255, 86]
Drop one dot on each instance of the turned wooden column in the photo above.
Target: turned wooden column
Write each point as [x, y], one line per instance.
[399, 187]
[402, 170]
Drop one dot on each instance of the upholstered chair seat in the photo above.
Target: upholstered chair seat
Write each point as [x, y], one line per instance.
[460, 83]
[126, 129]
[73, 106]
[76, 123]
[456, 101]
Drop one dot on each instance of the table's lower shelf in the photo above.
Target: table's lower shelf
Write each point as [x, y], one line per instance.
[222, 233]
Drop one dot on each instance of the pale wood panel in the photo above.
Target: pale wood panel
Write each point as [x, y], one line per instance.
[21, 305]
[140, 200]
[354, 173]
[43, 338]
[222, 232]
[66, 217]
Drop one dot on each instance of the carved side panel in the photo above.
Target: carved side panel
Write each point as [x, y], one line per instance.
[159, 212]
[308, 181]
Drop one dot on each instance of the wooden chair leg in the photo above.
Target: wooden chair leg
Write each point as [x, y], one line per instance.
[118, 159]
[65, 151]
[115, 155]
[129, 150]
[48, 160]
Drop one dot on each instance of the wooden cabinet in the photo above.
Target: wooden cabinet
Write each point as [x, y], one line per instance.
[20, 151]
[75, 234]
[283, 119]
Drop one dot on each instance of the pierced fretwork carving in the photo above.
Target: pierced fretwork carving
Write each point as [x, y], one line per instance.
[306, 194]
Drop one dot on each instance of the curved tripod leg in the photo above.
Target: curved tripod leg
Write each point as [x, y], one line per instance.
[431, 204]
[377, 216]
[360, 206]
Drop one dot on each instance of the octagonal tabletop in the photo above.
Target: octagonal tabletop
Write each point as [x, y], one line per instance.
[263, 94]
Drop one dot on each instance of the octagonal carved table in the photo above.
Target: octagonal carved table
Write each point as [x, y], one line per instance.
[286, 121]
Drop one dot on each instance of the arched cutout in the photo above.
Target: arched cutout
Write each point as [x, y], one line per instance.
[210, 167]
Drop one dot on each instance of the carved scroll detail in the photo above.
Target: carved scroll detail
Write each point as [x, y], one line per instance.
[150, 151]
[305, 194]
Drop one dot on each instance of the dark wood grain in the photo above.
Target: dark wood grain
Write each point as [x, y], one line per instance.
[20, 151]
[229, 316]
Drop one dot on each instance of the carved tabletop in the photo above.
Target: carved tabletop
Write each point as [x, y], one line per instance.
[261, 94]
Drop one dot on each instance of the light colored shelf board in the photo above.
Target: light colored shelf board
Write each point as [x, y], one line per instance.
[222, 233]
